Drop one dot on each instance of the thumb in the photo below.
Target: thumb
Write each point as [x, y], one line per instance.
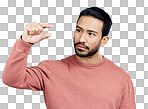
[46, 35]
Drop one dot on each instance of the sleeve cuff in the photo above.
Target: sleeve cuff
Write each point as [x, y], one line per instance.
[24, 46]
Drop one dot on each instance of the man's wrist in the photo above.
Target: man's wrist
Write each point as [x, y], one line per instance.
[25, 41]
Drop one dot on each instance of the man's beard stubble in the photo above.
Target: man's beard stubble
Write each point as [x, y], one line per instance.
[89, 53]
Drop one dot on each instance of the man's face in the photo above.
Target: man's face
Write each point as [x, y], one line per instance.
[88, 34]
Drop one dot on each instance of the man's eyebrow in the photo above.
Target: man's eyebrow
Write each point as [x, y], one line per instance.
[92, 31]
[87, 30]
[78, 27]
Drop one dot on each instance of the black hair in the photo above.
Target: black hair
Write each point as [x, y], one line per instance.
[99, 14]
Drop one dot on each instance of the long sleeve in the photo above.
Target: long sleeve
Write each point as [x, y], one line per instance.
[16, 73]
[128, 99]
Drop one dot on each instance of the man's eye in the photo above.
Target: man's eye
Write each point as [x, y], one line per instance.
[78, 30]
[91, 34]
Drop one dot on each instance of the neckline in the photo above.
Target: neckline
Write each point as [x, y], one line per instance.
[88, 64]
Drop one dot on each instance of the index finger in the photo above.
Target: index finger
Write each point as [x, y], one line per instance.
[46, 25]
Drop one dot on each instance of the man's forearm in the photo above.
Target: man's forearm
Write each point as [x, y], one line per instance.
[16, 63]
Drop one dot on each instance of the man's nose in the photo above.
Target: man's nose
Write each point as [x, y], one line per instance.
[83, 37]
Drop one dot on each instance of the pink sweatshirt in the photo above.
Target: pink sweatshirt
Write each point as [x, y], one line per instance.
[69, 83]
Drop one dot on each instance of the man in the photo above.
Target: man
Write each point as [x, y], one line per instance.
[85, 80]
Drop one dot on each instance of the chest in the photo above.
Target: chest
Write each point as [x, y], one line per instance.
[85, 90]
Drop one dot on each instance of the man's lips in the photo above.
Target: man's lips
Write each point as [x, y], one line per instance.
[81, 47]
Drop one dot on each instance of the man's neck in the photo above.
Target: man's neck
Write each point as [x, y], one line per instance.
[90, 60]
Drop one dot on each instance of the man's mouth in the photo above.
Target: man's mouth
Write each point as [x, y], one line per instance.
[81, 47]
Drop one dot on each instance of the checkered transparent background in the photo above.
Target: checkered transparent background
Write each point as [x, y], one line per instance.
[127, 46]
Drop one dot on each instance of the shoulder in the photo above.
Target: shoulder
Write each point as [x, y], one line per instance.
[118, 73]
[117, 69]
[54, 63]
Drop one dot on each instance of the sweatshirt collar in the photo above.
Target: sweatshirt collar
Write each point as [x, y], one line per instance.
[86, 64]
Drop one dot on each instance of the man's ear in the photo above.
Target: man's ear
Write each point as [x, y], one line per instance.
[104, 40]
